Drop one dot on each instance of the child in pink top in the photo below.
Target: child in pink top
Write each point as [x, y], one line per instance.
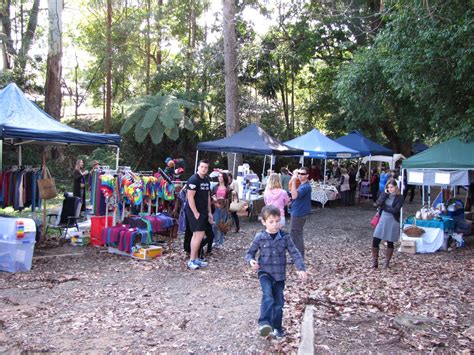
[275, 195]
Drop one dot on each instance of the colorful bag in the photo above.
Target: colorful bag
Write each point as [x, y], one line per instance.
[375, 220]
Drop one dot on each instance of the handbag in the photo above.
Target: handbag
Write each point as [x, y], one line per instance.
[47, 185]
[224, 227]
[236, 206]
[375, 220]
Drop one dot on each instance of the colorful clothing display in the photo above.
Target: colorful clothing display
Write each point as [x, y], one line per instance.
[19, 189]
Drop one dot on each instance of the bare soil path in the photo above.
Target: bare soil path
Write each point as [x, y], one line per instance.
[98, 302]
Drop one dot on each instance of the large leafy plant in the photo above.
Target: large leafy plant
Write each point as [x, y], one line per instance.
[155, 116]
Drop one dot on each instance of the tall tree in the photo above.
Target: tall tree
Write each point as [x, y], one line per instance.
[230, 70]
[108, 94]
[6, 42]
[53, 95]
[28, 36]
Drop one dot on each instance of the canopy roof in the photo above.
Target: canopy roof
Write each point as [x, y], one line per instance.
[391, 160]
[363, 145]
[317, 145]
[24, 122]
[250, 140]
[452, 154]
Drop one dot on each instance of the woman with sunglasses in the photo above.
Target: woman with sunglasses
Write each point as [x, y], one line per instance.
[300, 206]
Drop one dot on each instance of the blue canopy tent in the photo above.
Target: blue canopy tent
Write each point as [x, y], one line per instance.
[23, 122]
[250, 140]
[363, 145]
[317, 145]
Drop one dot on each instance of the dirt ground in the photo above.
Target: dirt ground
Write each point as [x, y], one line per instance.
[93, 301]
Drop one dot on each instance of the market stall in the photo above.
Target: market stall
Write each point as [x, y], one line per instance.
[447, 165]
[317, 145]
[22, 122]
[251, 140]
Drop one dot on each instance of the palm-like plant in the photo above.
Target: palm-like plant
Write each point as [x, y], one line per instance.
[156, 115]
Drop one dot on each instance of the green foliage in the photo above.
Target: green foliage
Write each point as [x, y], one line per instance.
[155, 116]
[416, 81]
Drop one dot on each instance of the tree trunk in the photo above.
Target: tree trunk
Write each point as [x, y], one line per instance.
[108, 98]
[28, 36]
[148, 47]
[6, 40]
[159, 54]
[230, 71]
[53, 95]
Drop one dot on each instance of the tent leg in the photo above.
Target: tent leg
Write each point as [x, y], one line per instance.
[20, 156]
[196, 162]
[1, 154]
[264, 163]
[234, 173]
[325, 161]
[271, 162]
[117, 158]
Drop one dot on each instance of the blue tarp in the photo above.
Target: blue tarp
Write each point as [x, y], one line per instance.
[250, 140]
[22, 120]
[363, 145]
[317, 145]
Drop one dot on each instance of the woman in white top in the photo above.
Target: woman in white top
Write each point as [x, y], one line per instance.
[344, 187]
[276, 196]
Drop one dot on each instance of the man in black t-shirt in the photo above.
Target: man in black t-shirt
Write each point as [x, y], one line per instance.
[198, 211]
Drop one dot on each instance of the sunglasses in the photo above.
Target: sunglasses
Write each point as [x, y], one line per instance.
[302, 173]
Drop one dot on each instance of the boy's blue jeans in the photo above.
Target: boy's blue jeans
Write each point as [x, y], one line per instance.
[271, 308]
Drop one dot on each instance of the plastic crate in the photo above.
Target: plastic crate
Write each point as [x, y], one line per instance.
[16, 255]
[97, 224]
[12, 229]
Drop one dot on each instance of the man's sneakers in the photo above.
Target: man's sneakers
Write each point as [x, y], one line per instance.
[193, 265]
[196, 264]
[265, 329]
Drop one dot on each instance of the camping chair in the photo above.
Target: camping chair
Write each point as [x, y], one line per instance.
[70, 213]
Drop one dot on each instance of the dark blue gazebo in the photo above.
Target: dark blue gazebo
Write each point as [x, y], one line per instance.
[363, 145]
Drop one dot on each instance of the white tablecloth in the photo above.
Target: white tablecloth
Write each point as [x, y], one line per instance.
[429, 242]
[323, 193]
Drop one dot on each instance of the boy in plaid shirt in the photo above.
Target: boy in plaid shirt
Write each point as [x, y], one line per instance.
[271, 266]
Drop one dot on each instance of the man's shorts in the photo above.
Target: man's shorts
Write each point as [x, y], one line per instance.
[197, 225]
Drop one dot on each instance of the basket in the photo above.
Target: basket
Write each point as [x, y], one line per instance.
[414, 231]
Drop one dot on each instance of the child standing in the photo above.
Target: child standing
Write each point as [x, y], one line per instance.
[271, 266]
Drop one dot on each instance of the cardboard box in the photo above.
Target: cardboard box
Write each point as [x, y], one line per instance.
[148, 253]
[408, 246]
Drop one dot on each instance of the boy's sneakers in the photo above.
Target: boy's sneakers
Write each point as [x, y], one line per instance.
[278, 333]
[265, 329]
[201, 262]
[193, 265]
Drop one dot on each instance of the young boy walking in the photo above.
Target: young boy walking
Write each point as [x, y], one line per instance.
[271, 266]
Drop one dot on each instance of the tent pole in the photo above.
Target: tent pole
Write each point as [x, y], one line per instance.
[20, 155]
[370, 169]
[1, 155]
[196, 162]
[401, 209]
[264, 163]
[234, 173]
[325, 161]
[271, 162]
[117, 158]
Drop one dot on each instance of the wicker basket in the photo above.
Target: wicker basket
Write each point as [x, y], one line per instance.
[414, 231]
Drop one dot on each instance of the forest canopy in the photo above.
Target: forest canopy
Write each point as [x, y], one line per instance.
[399, 71]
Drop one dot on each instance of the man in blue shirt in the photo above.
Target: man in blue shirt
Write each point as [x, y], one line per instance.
[300, 206]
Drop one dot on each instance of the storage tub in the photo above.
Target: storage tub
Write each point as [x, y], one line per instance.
[12, 229]
[16, 255]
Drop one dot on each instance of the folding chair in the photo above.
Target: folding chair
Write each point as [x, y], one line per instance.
[70, 214]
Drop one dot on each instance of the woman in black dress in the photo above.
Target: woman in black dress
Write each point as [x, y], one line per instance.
[79, 179]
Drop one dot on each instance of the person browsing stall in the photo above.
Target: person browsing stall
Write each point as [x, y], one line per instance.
[79, 182]
[390, 203]
[300, 206]
[276, 196]
[272, 245]
[198, 211]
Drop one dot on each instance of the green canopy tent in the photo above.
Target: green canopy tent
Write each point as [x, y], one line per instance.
[450, 163]
[452, 154]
